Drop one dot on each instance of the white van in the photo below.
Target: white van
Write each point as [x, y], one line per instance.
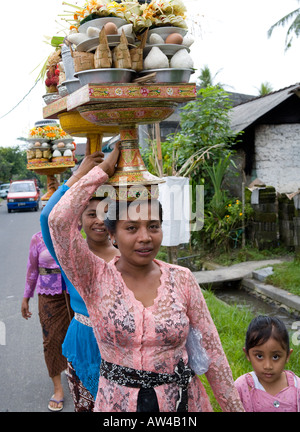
[4, 190]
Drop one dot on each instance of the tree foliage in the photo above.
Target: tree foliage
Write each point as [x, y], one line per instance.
[13, 165]
[265, 88]
[294, 28]
[205, 132]
[202, 151]
[206, 79]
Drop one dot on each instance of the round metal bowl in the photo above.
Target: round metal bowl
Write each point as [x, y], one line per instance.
[168, 49]
[72, 85]
[45, 122]
[169, 75]
[100, 22]
[164, 32]
[92, 43]
[105, 75]
[51, 97]
[62, 90]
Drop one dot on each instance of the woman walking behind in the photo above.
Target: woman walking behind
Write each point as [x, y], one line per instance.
[44, 277]
[80, 346]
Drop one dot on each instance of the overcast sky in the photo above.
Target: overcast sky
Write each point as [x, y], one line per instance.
[230, 38]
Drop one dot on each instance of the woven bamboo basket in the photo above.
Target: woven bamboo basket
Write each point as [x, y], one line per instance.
[83, 61]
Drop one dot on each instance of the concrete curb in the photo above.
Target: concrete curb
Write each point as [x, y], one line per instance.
[278, 295]
[243, 273]
[235, 272]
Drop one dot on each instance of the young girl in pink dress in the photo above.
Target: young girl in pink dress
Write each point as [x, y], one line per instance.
[269, 388]
[141, 310]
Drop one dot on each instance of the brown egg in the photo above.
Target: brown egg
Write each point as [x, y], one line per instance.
[60, 145]
[174, 38]
[110, 28]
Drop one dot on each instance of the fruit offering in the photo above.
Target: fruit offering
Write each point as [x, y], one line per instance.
[53, 71]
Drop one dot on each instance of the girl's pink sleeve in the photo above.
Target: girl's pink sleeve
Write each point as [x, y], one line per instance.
[32, 268]
[78, 262]
[219, 374]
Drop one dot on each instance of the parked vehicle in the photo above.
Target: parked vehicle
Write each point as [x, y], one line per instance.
[23, 194]
[4, 190]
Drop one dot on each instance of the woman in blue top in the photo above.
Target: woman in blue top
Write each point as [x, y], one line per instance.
[80, 346]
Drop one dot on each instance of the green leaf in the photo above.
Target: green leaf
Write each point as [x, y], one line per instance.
[56, 41]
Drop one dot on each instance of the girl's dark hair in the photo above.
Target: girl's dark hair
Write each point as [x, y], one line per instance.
[262, 328]
[115, 207]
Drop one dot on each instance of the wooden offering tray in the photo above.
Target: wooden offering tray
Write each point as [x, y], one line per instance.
[106, 93]
[126, 106]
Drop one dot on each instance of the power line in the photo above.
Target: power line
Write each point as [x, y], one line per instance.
[20, 100]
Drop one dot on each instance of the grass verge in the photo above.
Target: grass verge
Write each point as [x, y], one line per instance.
[286, 276]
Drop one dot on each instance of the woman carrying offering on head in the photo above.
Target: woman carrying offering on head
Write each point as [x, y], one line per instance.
[80, 346]
[141, 309]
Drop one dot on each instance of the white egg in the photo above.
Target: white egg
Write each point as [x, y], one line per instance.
[77, 38]
[156, 39]
[92, 32]
[127, 30]
[182, 59]
[156, 59]
[188, 40]
[67, 153]
[56, 153]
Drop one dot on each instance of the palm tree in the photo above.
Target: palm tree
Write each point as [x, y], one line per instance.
[265, 88]
[293, 29]
[206, 79]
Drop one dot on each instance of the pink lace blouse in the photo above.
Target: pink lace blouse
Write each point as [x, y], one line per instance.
[129, 334]
[39, 256]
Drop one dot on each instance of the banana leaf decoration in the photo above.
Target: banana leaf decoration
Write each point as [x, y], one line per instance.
[103, 56]
[136, 54]
[121, 54]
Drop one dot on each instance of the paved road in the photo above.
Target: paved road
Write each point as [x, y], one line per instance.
[24, 382]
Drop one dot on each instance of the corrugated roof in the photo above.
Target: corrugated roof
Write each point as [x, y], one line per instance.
[245, 114]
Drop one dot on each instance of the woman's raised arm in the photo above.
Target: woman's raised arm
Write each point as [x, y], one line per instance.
[78, 262]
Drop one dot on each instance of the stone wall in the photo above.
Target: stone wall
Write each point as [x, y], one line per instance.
[275, 220]
[263, 228]
[277, 156]
[289, 221]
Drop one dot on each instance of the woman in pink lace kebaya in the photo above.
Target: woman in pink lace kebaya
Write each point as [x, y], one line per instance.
[141, 310]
